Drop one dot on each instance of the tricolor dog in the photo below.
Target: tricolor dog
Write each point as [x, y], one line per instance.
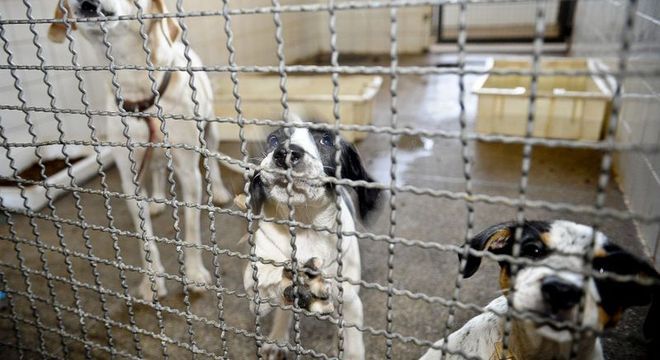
[175, 98]
[310, 154]
[551, 294]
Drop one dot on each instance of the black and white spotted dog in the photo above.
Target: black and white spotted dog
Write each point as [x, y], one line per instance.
[312, 154]
[549, 293]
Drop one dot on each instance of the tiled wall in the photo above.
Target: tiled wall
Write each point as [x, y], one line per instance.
[305, 33]
[368, 31]
[254, 34]
[598, 33]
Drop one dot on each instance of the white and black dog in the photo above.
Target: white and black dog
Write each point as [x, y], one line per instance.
[550, 293]
[311, 154]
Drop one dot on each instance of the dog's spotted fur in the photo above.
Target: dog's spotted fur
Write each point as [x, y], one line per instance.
[312, 155]
[550, 293]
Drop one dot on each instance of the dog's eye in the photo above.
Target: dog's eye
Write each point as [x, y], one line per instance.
[273, 141]
[532, 250]
[327, 140]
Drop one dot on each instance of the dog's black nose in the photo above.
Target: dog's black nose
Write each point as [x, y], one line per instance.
[559, 293]
[89, 8]
[279, 155]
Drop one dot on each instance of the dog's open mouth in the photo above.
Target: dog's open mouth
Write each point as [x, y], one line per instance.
[554, 321]
[550, 332]
[556, 326]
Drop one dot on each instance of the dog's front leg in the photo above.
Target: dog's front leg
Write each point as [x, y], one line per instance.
[158, 176]
[354, 344]
[269, 283]
[276, 285]
[142, 221]
[187, 171]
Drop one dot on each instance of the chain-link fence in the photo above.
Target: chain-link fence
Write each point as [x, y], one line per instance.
[77, 285]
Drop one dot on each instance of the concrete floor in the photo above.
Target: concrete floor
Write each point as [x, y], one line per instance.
[429, 102]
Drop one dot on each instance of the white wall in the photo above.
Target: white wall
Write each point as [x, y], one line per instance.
[254, 34]
[597, 33]
[499, 14]
[368, 31]
[305, 33]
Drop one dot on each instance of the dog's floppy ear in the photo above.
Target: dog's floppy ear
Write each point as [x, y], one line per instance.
[497, 239]
[257, 193]
[57, 31]
[617, 295]
[353, 169]
[169, 27]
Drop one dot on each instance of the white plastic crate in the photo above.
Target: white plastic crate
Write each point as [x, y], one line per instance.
[309, 94]
[567, 107]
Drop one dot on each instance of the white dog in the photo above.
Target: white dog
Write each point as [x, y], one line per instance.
[312, 154]
[167, 50]
[550, 294]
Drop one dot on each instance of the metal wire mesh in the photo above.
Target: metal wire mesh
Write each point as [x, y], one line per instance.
[80, 312]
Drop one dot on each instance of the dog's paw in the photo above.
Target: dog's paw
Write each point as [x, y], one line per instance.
[156, 208]
[221, 195]
[198, 275]
[312, 292]
[273, 352]
[145, 291]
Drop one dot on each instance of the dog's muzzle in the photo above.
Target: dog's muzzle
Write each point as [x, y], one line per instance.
[559, 294]
[92, 8]
[280, 154]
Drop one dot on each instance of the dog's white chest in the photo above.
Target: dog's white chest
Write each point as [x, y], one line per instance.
[312, 244]
[277, 245]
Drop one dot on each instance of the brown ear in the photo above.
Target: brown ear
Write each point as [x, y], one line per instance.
[57, 31]
[495, 238]
[168, 26]
[498, 239]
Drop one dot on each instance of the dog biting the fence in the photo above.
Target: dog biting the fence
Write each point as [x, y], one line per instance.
[553, 287]
[139, 92]
[309, 154]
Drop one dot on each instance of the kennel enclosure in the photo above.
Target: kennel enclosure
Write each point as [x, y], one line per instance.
[70, 268]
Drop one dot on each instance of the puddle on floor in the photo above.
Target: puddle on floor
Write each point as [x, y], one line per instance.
[410, 148]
